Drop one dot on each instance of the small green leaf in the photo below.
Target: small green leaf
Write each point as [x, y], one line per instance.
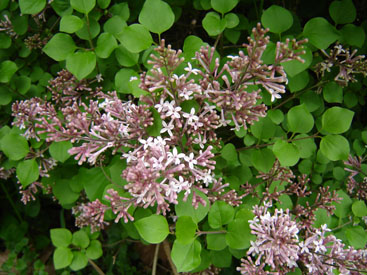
[27, 172]
[185, 230]
[59, 150]
[335, 147]
[83, 6]
[80, 260]
[359, 209]
[239, 233]
[121, 9]
[125, 57]
[220, 214]
[299, 119]
[31, 6]
[263, 159]
[135, 38]
[356, 236]
[90, 29]
[14, 146]
[80, 239]
[222, 258]
[277, 19]
[94, 250]
[122, 79]
[70, 23]
[264, 128]
[155, 129]
[103, 4]
[61, 237]
[216, 241]
[276, 116]
[153, 229]
[185, 208]
[294, 67]
[114, 25]
[223, 6]
[299, 81]
[229, 153]
[353, 35]
[337, 120]
[287, 153]
[157, 16]
[333, 93]
[186, 257]
[306, 146]
[7, 69]
[106, 43]
[62, 257]
[232, 20]
[60, 47]
[5, 41]
[342, 12]
[5, 96]
[81, 64]
[320, 32]
[213, 24]
[63, 192]
[94, 182]
[342, 208]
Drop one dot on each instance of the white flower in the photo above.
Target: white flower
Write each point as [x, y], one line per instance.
[174, 157]
[190, 160]
[191, 70]
[191, 117]
[167, 127]
[173, 111]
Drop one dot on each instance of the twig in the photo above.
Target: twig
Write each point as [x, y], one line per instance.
[167, 250]
[155, 260]
[96, 267]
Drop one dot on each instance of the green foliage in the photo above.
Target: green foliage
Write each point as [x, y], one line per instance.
[27, 172]
[186, 257]
[320, 32]
[277, 19]
[185, 230]
[60, 47]
[153, 229]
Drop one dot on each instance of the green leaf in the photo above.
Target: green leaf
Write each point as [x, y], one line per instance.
[27, 172]
[263, 129]
[353, 35]
[60, 47]
[220, 214]
[337, 120]
[63, 192]
[22, 84]
[359, 208]
[232, 20]
[80, 260]
[94, 182]
[5, 41]
[185, 230]
[106, 43]
[356, 236]
[103, 4]
[81, 64]
[59, 150]
[320, 32]
[213, 24]
[125, 57]
[342, 208]
[62, 7]
[114, 25]
[277, 19]
[157, 16]
[89, 30]
[83, 6]
[7, 69]
[342, 12]
[239, 233]
[299, 119]
[312, 100]
[306, 146]
[186, 257]
[14, 146]
[287, 153]
[94, 250]
[223, 6]
[298, 82]
[121, 10]
[62, 257]
[335, 147]
[70, 23]
[191, 45]
[135, 38]
[294, 67]
[276, 116]
[153, 229]
[322, 217]
[122, 79]
[5, 96]
[221, 259]
[31, 6]
[333, 93]
[185, 208]
[20, 24]
[229, 153]
[61, 237]
[80, 239]
[232, 35]
[263, 159]
[216, 241]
